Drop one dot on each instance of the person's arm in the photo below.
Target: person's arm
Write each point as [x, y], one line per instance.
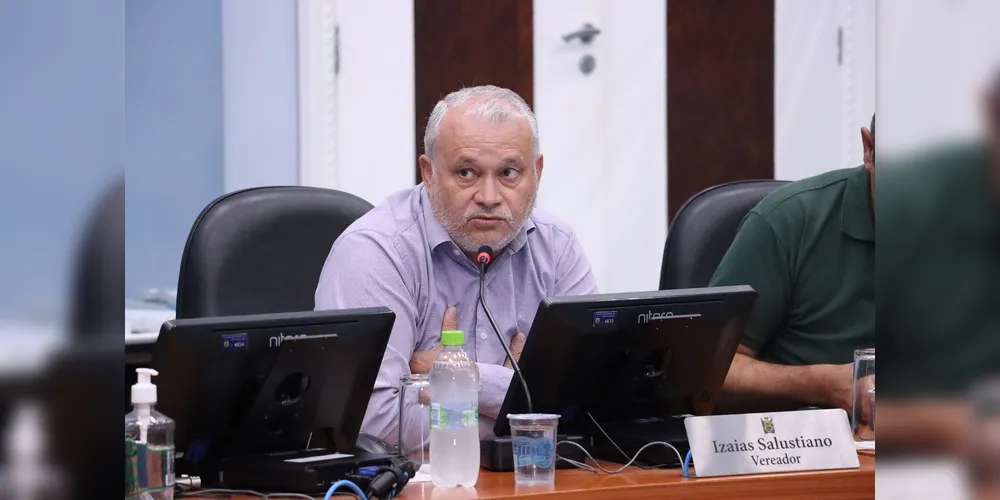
[756, 385]
[573, 272]
[361, 272]
[758, 257]
[493, 383]
[927, 425]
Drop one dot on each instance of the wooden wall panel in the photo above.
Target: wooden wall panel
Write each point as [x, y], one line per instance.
[720, 94]
[462, 43]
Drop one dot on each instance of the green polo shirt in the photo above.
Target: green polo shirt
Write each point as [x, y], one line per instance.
[808, 249]
[938, 275]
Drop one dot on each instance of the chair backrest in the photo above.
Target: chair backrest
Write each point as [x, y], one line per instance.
[703, 230]
[99, 272]
[261, 250]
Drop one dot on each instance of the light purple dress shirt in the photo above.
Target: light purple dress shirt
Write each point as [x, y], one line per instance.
[399, 256]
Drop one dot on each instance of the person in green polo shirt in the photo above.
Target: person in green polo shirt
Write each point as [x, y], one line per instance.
[808, 249]
[938, 289]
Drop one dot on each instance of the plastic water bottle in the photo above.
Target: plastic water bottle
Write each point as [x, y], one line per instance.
[149, 445]
[454, 414]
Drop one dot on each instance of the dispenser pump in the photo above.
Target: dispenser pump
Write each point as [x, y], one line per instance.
[143, 391]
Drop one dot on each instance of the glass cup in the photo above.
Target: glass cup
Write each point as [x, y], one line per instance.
[534, 441]
[863, 407]
[414, 425]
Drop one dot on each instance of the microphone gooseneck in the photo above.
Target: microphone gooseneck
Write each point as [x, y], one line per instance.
[484, 257]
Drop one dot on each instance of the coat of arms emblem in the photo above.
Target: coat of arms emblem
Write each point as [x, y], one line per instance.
[767, 424]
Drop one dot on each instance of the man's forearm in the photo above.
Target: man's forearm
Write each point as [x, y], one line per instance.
[382, 416]
[926, 426]
[494, 380]
[750, 379]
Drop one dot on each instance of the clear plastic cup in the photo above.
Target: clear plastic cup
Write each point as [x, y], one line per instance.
[413, 441]
[863, 408]
[533, 437]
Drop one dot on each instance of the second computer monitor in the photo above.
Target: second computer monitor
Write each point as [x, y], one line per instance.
[629, 356]
[263, 384]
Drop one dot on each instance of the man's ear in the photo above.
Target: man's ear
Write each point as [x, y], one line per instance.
[868, 142]
[426, 170]
[539, 165]
[991, 103]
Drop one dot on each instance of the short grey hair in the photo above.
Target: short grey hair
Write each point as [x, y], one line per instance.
[489, 102]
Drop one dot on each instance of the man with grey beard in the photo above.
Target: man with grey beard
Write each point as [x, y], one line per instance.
[415, 252]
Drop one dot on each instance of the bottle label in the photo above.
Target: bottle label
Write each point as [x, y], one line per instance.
[453, 416]
[533, 451]
[148, 468]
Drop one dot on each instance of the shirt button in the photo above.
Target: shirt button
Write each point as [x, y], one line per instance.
[457, 252]
[482, 334]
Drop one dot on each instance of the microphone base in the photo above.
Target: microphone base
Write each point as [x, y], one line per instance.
[497, 454]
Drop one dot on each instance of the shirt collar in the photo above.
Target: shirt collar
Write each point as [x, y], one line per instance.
[437, 235]
[856, 219]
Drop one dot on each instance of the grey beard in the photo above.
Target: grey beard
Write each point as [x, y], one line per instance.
[454, 226]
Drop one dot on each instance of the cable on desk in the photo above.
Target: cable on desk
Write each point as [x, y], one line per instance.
[620, 469]
[226, 493]
[349, 484]
[572, 462]
[613, 443]
[687, 463]
[599, 466]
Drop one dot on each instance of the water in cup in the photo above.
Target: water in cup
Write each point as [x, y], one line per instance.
[454, 415]
[534, 443]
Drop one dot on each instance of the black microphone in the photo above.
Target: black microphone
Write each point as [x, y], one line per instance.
[484, 257]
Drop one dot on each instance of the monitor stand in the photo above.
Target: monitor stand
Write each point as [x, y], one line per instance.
[306, 471]
[631, 435]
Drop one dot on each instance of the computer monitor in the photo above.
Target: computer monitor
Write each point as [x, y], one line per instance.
[628, 358]
[244, 386]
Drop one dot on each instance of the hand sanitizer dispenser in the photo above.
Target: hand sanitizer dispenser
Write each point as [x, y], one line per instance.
[149, 444]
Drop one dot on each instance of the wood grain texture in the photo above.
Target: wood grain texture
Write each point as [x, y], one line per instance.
[720, 94]
[461, 43]
[639, 484]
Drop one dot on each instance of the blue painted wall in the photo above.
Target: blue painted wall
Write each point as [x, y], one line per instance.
[173, 139]
[260, 92]
[61, 118]
[189, 98]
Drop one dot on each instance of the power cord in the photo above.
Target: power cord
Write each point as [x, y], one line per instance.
[622, 468]
[349, 484]
[613, 443]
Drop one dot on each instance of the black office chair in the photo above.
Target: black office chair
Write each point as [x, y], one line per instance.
[99, 270]
[703, 229]
[261, 250]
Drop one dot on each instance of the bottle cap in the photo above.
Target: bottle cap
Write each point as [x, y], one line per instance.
[144, 392]
[452, 337]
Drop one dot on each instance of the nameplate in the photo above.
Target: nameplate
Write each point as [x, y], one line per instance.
[758, 443]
